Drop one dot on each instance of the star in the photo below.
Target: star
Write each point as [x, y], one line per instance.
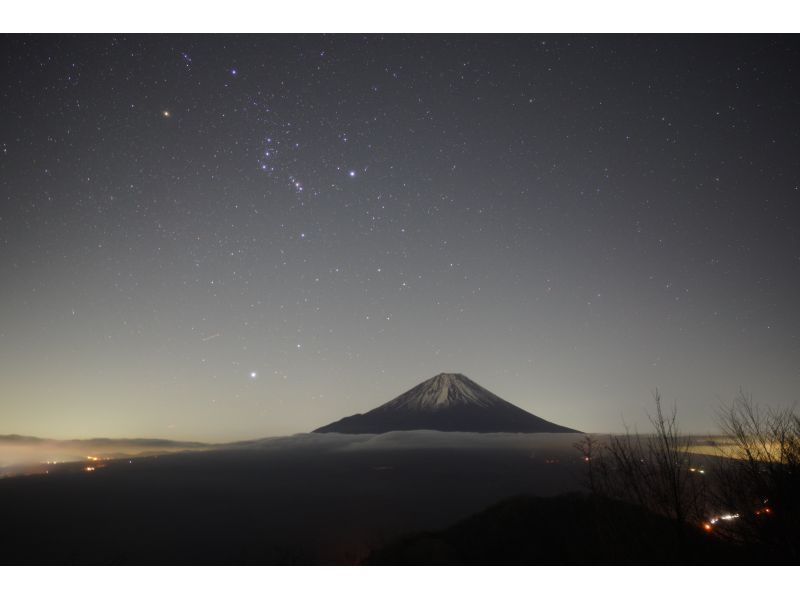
[166, 113]
[253, 375]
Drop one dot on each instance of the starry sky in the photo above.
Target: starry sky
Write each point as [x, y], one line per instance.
[227, 237]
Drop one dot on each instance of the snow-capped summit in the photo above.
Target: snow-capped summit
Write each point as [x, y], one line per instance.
[443, 391]
[447, 402]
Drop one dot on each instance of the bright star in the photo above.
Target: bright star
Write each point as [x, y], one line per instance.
[253, 375]
[352, 173]
[165, 113]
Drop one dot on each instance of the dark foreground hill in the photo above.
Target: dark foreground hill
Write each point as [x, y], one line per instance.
[447, 402]
[571, 529]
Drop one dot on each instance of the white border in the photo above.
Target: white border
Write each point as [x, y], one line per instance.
[397, 582]
[429, 16]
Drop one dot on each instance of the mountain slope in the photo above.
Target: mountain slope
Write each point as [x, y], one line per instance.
[449, 403]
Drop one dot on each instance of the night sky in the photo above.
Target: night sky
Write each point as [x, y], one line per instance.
[218, 238]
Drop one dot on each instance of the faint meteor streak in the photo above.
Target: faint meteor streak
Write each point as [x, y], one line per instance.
[208, 338]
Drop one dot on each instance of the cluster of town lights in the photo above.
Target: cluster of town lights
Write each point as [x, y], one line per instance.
[709, 525]
[91, 468]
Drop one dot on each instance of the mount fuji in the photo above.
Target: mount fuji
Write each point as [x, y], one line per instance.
[448, 403]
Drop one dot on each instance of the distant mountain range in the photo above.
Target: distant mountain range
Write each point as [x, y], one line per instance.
[102, 442]
[18, 452]
[448, 403]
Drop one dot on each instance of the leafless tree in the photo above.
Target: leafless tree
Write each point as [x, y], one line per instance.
[751, 494]
[649, 470]
[759, 479]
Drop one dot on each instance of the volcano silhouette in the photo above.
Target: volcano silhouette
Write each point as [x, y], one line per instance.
[449, 403]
